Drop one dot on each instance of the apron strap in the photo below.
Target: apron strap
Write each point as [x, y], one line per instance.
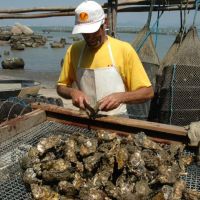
[110, 53]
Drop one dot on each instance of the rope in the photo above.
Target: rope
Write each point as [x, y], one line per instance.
[182, 21]
[156, 32]
[147, 34]
[196, 9]
[172, 93]
[150, 13]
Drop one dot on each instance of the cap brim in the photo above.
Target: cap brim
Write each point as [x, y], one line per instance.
[86, 28]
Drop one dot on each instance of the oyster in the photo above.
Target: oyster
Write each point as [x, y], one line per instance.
[44, 193]
[121, 157]
[78, 181]
[70, 149]
[168, 174]
[135, 159]
[91, 161]
[179, 188]
[106, 167]
[106, 135]
[51, 176]
[30, 158]
[29, 177]
[191, 194]
[59, 165]
[48, 143]
[102, 176]
[142, 140]
[112, 190]
[92, 194]
[67, 188]
[88, 146]
[142, 189]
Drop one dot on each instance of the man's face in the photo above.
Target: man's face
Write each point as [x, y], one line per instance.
[95, 40]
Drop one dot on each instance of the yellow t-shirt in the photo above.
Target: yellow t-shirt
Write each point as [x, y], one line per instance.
[125, 58]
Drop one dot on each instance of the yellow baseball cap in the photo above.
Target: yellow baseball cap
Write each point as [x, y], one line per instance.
[89, 16]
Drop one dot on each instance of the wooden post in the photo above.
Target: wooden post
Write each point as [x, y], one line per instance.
[112, 17]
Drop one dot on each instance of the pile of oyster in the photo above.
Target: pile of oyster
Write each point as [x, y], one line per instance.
[106, 166]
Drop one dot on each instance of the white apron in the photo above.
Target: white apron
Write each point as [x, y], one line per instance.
[100, 82]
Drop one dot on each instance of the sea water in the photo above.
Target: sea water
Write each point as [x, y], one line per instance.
[43, 64]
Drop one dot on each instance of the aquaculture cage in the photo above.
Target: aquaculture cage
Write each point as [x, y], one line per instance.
[143, 43]
[180, 90]
[166, 61]
[168, 58]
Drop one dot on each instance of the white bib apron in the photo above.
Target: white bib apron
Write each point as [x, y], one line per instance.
[100, 82]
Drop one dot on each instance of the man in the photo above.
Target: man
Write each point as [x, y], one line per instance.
[103, 69]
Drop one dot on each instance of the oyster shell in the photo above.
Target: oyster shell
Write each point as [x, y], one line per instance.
[44, 193]
[48, 143]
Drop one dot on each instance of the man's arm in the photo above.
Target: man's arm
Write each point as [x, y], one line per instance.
[112, 101]
[78, 97]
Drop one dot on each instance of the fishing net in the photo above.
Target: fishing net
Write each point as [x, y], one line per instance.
[150, 60]
[180, 90]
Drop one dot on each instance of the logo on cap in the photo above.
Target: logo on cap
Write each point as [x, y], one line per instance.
[83, 17]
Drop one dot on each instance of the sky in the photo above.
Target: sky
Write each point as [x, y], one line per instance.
[168, 19]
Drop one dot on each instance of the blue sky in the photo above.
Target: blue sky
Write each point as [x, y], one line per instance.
[169, 19]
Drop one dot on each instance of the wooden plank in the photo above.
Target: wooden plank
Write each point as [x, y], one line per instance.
[120, 133]
[140, 124]
[15, 126]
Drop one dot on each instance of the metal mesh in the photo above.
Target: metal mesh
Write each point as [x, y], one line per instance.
[180, 91]
[12, 108]
[193, 174]
[143, 43]
[11, 184]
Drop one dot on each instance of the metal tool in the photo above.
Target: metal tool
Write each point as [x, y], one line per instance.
[92, 112]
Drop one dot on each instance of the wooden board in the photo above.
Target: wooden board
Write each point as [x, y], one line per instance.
[15, 126]
[69, 116]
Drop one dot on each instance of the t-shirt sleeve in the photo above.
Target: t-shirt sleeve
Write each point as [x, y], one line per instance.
[136, 76]
[67, 75]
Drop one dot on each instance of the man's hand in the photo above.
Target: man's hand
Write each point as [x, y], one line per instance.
[111, 101]
[79, 99]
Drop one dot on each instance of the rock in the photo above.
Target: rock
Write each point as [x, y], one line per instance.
[28, 40]
[63, 41]
[6, 53]
[5, 35]
[13, 63]
[17, 46]
[16, 30]
[24, 29]
[57, 45]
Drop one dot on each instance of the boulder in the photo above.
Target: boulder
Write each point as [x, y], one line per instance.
[17, 46]
[24, 29]
[5, 35]
[57, 45]
[13, 63]
[16, 30]
[28, 40]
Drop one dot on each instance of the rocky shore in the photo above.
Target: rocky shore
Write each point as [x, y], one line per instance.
[20, 36]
